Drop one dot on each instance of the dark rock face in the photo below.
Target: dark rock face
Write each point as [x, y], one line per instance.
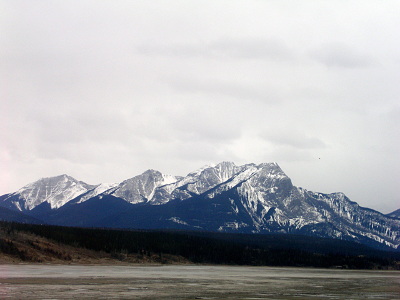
[395, 214]
[16, 216]
[225, 197]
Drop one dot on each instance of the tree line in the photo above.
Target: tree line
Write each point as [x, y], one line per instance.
[213, 248]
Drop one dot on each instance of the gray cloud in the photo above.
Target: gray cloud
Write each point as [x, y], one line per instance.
[105, 90]
[340, 55]
[293, 139]
[229, 48]
[235, 90]
[251, 48]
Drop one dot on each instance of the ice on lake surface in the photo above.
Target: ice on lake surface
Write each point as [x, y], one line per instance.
[193, 282]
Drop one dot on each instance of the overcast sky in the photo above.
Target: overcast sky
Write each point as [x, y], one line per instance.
[104, 90]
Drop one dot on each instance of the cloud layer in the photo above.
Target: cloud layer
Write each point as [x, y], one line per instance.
[105, 90]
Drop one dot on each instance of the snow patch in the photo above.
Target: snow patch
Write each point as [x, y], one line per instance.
[100, 189]
[178, 221]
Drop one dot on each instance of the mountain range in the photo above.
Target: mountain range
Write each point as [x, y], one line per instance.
[221, 198]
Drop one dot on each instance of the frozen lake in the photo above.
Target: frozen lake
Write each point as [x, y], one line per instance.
[193, 282]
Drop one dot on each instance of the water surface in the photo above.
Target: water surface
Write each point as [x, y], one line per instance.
[193, 282]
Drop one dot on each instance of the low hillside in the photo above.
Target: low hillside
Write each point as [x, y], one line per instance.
[56, 244]
[18, 243]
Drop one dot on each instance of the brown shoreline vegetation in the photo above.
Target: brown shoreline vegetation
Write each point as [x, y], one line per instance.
[22, 247]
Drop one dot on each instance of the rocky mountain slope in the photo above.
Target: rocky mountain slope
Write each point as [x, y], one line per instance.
[227, 198]
[395, 214]
[56, 191]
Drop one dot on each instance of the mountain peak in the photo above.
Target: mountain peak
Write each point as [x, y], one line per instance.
[152, 171]
[226, 164]
[141, 188]
[269, 165]
[272, 169]
[56, 190]
[48, 181]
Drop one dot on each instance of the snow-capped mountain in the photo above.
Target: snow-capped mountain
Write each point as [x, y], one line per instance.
[141, 188]
[223, 197]
[56, 191]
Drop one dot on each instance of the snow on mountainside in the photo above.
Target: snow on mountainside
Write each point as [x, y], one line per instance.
[223, 197]
[196, 183]
[141, 188]
[100, 189]
[56, 191]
